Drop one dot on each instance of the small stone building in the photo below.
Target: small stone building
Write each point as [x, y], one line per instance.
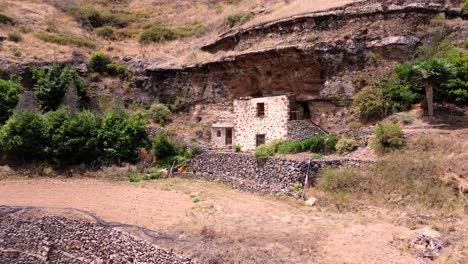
[257, 121]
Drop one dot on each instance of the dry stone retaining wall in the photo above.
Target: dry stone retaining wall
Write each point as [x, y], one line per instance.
[302, 129]
[241, 171]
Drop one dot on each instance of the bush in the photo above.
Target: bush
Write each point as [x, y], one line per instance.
[388, 137]
[10, 91]
[330, 143]
[346, 145]
[107, 32]
[371, 103]
[290, 147]
[63, 39]
[160, 114]
[73, 139]
[237, 148]
[464, 7]
[101, 63]
[407, 119]
[240, 18]
[335, 181]
[160, 34]
[15, 36]
[164, 146]
[24, 136]
[51, 85]
[264, 151]
[88, 16]
[313, 144]
[98, 62]
[120, 137]
[4, 19]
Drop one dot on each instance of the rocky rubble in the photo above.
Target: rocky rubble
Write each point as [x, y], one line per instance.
[53, 239]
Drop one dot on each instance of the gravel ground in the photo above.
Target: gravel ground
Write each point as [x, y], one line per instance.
[54, 239]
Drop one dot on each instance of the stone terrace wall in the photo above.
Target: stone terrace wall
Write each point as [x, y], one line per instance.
[302, 129]
[241, 171]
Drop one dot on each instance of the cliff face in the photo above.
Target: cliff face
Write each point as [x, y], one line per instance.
[316, 57]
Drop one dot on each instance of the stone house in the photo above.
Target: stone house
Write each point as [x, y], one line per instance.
[257, 121]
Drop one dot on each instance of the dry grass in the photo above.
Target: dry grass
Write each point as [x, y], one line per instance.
[44, 16]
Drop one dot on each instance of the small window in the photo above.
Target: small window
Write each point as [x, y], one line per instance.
[218, 133]
[260, 109]
[260, 139]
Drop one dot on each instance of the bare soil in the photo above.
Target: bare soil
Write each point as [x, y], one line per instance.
[228, 226]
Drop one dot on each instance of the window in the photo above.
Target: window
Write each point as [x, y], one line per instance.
[260, 109]
[260, 139]
[294, 113]
[218, 133]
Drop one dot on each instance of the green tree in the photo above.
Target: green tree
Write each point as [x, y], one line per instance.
[73, 139]
[432, 73]
[121, 137]
[10, 91]
[164, 146]
[24, 136]
[52, 84]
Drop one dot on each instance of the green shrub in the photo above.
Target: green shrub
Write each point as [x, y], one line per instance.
[120, 137]
[134, 179]
[346, 145]
[63, 39]
[407, 119]
[239, 18]
[313, 144]
[24, 137]
[290, 147]
[330, 143]
[107, 32]
[190, 153]
[316, 156]
[335, 181]
[52, 84]
[160, 34]
[371, 103]
[264, 151]
[388, 137]
[237, 148]
[16, 51]
[297, 187]
[160, 114]
[98, 62]
[88, 16]
[10, 91]
[73, 139]
[464, 7]
[15, 36]
[164, 146]
[4, 19]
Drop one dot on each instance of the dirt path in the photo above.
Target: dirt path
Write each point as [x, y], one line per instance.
[226, 225]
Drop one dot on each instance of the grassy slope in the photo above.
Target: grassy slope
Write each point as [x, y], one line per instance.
[38, 16]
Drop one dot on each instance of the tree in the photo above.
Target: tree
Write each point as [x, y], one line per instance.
[52, 84]
[121, 137]
[431, 73]
[10, 91]
[24, 136]
[73, 139]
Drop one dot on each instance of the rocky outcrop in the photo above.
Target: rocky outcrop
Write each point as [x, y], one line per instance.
[316, 57]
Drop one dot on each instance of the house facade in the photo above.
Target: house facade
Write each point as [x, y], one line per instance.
[257, 121]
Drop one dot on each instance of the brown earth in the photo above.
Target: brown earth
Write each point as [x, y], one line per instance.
[228, 226]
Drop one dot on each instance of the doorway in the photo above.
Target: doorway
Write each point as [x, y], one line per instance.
[228, 136]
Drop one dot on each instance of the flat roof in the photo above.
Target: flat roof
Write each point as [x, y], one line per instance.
[220, 125]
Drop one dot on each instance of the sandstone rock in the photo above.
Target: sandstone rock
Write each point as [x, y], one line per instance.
[311, 201]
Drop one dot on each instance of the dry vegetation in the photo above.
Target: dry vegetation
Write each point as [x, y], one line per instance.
[66, 31]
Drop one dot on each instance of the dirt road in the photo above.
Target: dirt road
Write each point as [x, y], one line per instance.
[226, 225]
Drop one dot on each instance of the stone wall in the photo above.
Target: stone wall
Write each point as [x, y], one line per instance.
[273, 125]
[302, 129]
[241, 171]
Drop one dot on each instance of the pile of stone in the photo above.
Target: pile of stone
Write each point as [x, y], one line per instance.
[53, 239]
